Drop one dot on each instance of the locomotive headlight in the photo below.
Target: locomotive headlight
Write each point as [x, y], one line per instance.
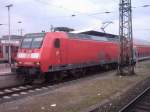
[37, 63]
[19, 63]
[35, 55]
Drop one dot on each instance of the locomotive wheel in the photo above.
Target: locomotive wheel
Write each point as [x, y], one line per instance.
[73, 73]
[62, 75]
[59, 77]
[81, 72]
[84, 71]
[52, 77]
[76, 73]
[107, 67]
[20, 78]
[40, 79]
[91, 70]
[28, 80]
[24, 79]
[49, 77]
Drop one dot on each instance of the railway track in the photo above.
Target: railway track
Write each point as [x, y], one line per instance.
[20, 91]
[140, 104]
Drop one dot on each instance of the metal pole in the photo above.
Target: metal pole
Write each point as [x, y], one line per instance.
[132, 49]
[9, 52]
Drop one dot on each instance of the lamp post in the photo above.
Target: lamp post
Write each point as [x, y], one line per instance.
[9, 52]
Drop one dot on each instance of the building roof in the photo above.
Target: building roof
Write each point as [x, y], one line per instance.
[5, 37]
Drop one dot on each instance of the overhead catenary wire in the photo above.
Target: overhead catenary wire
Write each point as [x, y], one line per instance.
[74, 13]
[78, 13]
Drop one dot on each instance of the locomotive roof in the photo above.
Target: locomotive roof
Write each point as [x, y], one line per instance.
[91, 37]
[96, 33]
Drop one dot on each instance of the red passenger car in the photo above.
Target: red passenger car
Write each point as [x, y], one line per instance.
[15, 41]
[143, 50]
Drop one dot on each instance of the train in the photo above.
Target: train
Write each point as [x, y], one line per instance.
[4, 47]
[46, 53]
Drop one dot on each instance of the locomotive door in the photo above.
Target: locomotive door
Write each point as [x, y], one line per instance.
[57, 51]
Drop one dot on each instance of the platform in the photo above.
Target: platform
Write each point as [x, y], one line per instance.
[5, 69]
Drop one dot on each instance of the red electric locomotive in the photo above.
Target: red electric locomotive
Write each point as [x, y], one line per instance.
[60, 51]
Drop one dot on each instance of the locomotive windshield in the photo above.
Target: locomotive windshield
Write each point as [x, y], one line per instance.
[36, 43]
[26, 43]
[33, 40]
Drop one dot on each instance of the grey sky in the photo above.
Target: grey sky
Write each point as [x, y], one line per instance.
[38, 15]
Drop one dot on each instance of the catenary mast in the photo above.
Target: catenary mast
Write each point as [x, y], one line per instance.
[126, 58]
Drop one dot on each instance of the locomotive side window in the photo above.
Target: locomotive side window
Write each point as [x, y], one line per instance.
[57, 43]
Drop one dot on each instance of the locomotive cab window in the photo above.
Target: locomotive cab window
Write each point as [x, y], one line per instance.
[37, 42]
[26, 43]
[57, 43]
[34, 40]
